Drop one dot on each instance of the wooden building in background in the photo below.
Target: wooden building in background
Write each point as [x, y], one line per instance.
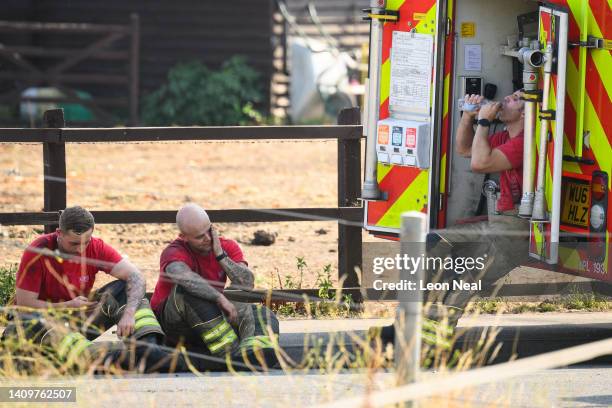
[183, 30]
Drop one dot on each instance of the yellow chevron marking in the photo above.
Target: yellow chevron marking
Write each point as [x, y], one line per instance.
[395, 4]
[548, 173]
[600, 145]
[428, 23]
[602, 58]
[385, 80]
[417, 190]
[570, 258]
[446, 93]
[548, 191]
[538, 238]
[382, 170]
[572, 89]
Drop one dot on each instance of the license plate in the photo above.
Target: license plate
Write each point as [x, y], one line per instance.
[576, 199]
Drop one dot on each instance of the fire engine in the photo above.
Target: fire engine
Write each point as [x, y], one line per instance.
[425, 55]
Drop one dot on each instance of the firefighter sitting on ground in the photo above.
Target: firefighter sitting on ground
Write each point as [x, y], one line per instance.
[54, 283]
[189, 298]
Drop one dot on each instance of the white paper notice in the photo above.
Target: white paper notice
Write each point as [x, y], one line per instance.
[411, 70]
[473, 57]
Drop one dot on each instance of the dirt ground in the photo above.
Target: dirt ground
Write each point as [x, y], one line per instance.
[163, 176]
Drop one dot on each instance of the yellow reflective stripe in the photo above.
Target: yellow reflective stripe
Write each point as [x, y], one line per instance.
[147, 321]
[434, 325]
[228, 338]
[446, 92]
[443, 174]
[216, 331]
[257, 341]
[385, 80]
[144, 313]
[434, 340]
[72, 345]
[77, 349]
[67, 342]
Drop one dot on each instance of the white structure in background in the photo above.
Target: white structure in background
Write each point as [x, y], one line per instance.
[319, 81]
[33, 111]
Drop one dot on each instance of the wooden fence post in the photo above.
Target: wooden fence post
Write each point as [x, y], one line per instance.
[134, 70]
[349, 188]
[54, 166]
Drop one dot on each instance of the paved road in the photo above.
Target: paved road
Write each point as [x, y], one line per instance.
[583, 386]
[578, 386]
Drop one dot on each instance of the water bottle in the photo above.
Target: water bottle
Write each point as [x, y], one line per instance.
[462, 105]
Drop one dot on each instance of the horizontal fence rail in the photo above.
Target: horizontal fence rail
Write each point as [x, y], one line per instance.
[195, 133]
[346, 215]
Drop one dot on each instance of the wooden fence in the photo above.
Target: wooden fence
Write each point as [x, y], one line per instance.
[348, 213]
[59, 75]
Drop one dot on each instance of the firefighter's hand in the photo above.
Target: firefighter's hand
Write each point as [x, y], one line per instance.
[216, 242]
[489, 111]
[81, 302]
[125, 327]
[473, 100]
[228, 308]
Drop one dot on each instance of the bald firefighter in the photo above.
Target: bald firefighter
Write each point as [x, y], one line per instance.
[189, 298]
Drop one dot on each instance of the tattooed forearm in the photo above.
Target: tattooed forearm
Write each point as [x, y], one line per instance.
[193, 283]
[135, 290]
[239, 274]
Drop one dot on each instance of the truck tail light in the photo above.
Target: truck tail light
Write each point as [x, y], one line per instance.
[598, 216]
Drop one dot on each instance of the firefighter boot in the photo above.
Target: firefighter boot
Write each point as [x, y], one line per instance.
[257, 326]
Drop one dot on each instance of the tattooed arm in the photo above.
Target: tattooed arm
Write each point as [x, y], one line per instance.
[135, 291]
[182, 275]
[240, 275]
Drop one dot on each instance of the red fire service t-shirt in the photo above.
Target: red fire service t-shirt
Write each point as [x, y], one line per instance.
[58, 280]
[510, 181]
[204, 265]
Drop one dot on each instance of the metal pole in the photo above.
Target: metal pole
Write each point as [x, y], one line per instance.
[531, 60]
[370, 189]
[408, 318]
[558, 144]
[539, 203]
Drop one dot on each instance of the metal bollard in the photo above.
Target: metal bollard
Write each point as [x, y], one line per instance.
[409, 313]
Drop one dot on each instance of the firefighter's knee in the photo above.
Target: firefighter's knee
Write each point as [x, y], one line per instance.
[112, 297]
[218, 336]
[146, 322]
[194, 308]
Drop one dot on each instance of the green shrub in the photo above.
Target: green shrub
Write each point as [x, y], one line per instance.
[7, 283]
[196, 95]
